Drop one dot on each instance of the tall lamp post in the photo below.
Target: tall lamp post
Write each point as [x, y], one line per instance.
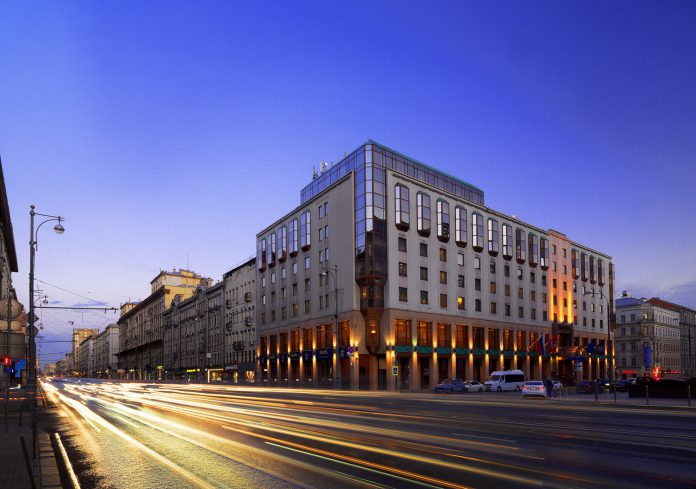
[333, 271]
[31, 372]
[610, 365]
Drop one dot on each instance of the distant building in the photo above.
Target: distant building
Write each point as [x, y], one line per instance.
[86, 357]
[240, 323]
[106, 352]
[648, 337]
[78, 336]
[141, 326]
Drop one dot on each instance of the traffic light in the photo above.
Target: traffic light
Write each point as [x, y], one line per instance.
[6, 360]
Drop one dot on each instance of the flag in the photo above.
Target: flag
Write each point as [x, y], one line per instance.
[647, 354]
[553, 344]
[541, 345]
[590, 348]
[600, 348]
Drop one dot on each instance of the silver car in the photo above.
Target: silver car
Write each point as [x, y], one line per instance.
[473, 386]
[535, 388]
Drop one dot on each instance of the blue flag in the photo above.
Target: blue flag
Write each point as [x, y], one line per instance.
[600, 348]
[647, 353]
[590, 348]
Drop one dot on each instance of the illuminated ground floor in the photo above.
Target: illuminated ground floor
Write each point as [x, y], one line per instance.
[418, 351]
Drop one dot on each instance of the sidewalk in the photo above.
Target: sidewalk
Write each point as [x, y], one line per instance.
[622, 399]
[15, 424]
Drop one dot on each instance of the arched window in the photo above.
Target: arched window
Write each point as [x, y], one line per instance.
[460, 226]
[423, 211]
[305, 230]
[520, 246]
[600, 271]
[507, 241]
[575, 264]
[443, 221]
[282, 243]
[544, 254]
[593, 275]
[533, 249]
[477, 231]
[583, 266]
[493, 239]
[271, 251]
[401, 204]
[261, 254]
[292, 231]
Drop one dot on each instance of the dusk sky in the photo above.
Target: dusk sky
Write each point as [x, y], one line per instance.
[169, 133]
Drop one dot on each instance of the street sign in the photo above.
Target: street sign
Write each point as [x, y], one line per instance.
[395, 371]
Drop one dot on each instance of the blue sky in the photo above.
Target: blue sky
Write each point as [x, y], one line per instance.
[158, 128]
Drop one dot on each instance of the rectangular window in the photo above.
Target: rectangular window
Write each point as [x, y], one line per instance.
[402, 244]
[492, 266]
[282, 273]
[326, 254]
[533, 295]
[402, 269]
[477, 263]
[294, 268]
[443, 277]
[305, 230]
[423, 296]
[460, 281]
[544, 316]
[295, 310]
[477, 284]
[532, 277]
[533, 317]
[424, 249]
[460, 226]
[462, 338]
[494, 308]
[520, 273]
[478, 305]
[553, 283]
[507, 310]
[292, 237]
[443, 254]
[507, 270]
[424, 273]
[423, 213]
[273, 277]
[403, 294]
[520, 312]
[401, 205]
[306, 306]
[443, 300]
[520, 293]
[493, 287]
[507, 290]
[460, 259]
[460, 303]
[443, 221]
[425, 334]
[321, 233]
[306, 284]
[403, 332]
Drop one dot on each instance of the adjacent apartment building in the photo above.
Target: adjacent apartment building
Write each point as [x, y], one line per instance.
[141, 325]
[78, 336]
[391, 273]
[240, 322]
[194, 341]
[652, 338]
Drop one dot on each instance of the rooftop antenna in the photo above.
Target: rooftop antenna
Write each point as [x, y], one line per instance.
[314, 173]
[322, 167]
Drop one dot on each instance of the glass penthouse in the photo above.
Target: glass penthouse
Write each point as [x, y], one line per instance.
[391, 273]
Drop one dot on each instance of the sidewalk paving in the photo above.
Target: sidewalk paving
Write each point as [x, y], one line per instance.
[15, 409]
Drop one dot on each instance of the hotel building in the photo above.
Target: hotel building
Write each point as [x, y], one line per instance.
[392, 274]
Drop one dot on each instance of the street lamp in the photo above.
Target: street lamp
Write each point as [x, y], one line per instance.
[333, 271]
[610, 366]
[31, 371]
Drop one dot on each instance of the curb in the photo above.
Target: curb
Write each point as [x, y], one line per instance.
[50, 476]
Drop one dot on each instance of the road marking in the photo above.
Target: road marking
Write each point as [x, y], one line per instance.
[68, 465]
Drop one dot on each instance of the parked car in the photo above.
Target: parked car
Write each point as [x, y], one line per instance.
[557, 386]
[473, 386]
[505, 380]
[588, 387]
[534, 388]
[450, 385]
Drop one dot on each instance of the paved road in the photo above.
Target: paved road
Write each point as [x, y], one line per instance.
[125, 435]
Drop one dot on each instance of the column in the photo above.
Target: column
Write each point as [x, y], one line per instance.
[485, 371]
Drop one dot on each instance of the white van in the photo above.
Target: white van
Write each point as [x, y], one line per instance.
[505, 380]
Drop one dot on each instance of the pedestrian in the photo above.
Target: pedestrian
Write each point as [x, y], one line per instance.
[549, 387]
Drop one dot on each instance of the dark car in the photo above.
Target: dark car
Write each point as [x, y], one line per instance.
[588, 387]
[450, 385]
